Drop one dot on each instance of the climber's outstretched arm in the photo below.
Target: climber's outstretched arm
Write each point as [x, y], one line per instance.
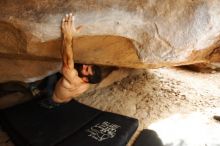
[67, 46]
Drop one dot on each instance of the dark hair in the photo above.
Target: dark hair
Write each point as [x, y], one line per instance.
[93, 79]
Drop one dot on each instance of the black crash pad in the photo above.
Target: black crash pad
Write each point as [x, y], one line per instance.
[71, 124]
[148, 138]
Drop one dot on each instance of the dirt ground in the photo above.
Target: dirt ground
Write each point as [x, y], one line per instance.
[177, 104]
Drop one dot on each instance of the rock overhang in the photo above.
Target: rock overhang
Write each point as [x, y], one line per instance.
[135, 34]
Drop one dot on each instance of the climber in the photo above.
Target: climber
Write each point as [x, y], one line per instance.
[75, 77]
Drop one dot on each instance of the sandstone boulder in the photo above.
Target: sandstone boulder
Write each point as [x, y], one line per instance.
[125, 33]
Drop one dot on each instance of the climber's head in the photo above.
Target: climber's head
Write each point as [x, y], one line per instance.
[89, 73]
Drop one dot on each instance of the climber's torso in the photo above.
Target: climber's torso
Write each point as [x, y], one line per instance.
[69, 86]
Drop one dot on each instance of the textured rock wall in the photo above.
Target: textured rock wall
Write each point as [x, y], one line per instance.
[127, 33]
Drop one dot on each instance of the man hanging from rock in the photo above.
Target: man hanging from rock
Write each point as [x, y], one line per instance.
[76, 77]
